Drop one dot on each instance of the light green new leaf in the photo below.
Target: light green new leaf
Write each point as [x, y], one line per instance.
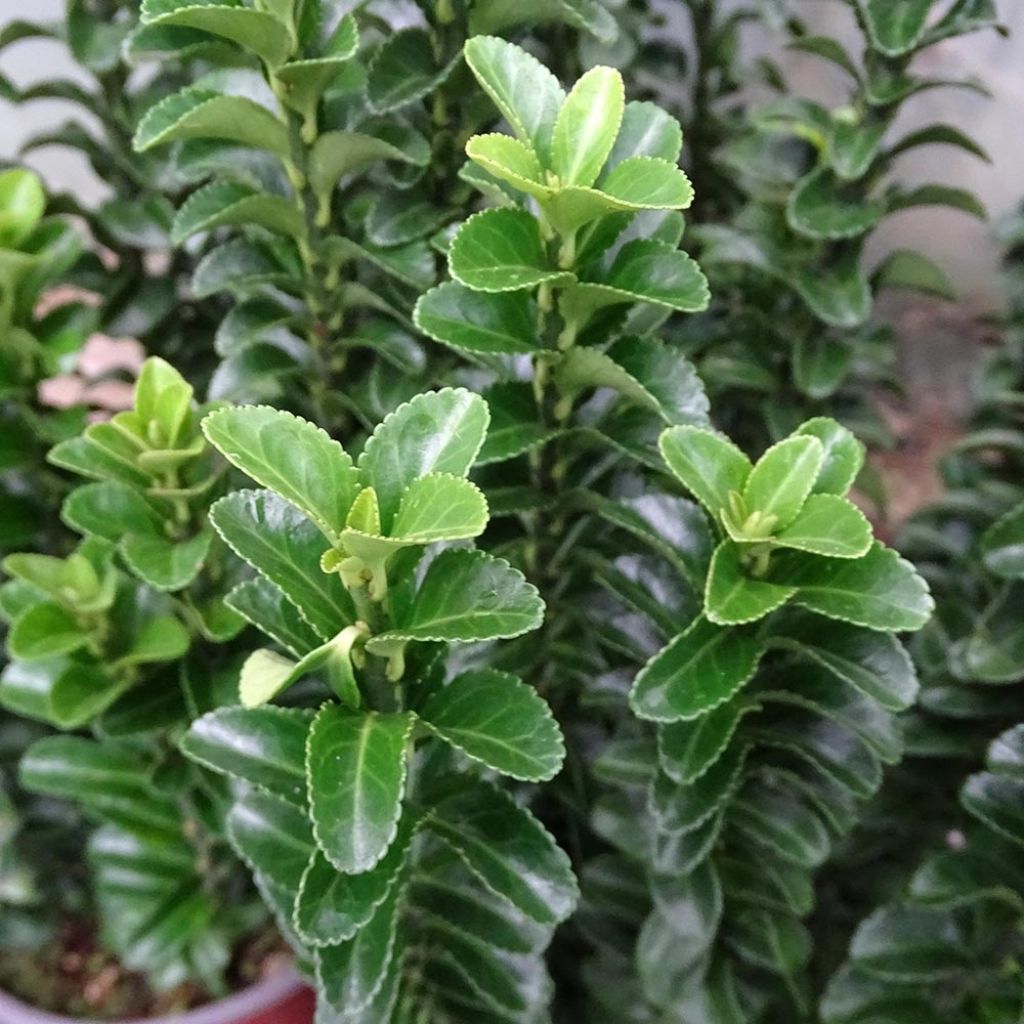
[355, 764]
[843, 455]
[527, 93]
[698, 671]
[498, 322]
[707, 464]
[109, 509]
[435, 432]
[466, 596]
[783, 477]
[587, 125]
[497, 719]
[45, 631]
[501, 251]
[284, 546]
[732, 596]
[828, 525]
[264, 746]
[203, 114]
[879, 591]
[292, 457]
[22, 205]
[509, 160]
[230, 203]
[258, 31]
[440, 506]
[505, 846]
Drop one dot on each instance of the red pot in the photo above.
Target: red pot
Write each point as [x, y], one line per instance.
[284, 999]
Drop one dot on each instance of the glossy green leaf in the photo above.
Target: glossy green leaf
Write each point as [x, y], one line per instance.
[228, 203]
[203, 114]
[497, 719]
[356, 763]
[436, 432]
[879, 591]
[499, 322]
[511, 161]
[527, 94]
[292, 457]
[587, 125]
[501, 251]
[165, 564]
[843, 455]
[783, 477]
[688, 749]
[698, 671]
[264, 746]
[734, 595]
[895, 28]
[440, 506]
[22, 204]
[466, 596]
[1002, 545]
[264, 605]
[707, 464]
[828, 525]
[285, 547]
[46, 630]
[505, 846]
[403, 69]
[255, 30]
[274, 837]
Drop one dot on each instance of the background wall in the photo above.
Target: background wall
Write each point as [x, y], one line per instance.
[963, 246]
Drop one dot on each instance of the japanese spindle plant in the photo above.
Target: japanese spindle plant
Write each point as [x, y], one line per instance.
[410, 882]
[791, 266]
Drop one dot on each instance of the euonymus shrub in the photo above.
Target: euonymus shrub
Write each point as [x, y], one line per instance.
[410, 880]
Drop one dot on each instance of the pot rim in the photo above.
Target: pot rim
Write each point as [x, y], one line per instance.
[232, 1009]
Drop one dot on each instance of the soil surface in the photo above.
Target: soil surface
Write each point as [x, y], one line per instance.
[76, 977]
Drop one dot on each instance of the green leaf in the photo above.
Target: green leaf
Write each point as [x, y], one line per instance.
[938, 195]
[875, 663]
[1002, 545]
[202, 114]
[644, 182]
[440, 506]
[466, 596]
[527, 94]
[647, 270]
[839, 294]
[698, 671]
[285, 547]
[264, 746]
[166, 564]
[587, 125]
[707, 464]
[500, 322]
[352, 974]
[501, 251]
[996, 800]
[909, 944]
[734, 596]
[647, 131]
[879, 591]
[257, 31]
[331, 907]
[273, 836]
[335, 154]
[505, 846]
[688, 749]
[783, 477]
[515, 423]
[911, 271]
[843, 455]
[828, 525]
[821, 206]
[292, 457]
[356, 764]
[45, 630]
[109, 509]
[162, 638]
[230, 203]
[511, 161]
[895, 28]
[403, 70]
[497, 719]
[22, 205]
[436, 432]
[263, 604]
